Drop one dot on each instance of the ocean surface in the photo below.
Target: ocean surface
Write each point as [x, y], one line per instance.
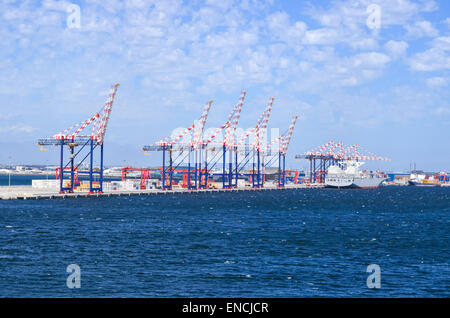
[295, 243]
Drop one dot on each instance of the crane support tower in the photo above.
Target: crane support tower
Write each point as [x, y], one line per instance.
[284, 141]
[229, 145]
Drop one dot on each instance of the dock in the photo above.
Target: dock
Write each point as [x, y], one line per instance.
[30, 193]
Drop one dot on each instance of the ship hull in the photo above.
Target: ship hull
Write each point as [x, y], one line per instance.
[419, 184]
[353, 183]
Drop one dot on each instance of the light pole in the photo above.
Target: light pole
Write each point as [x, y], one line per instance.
[9, 174]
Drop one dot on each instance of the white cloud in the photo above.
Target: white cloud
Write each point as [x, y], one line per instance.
[140, 4]
[353, 15]
[402, 12]
[281, 28]
[396, 48]
[329, 19]
[363, 43]
[17, 129]
[371, 60]
[437, 81]
[442, 43]
[355, 70]
[58, 5]
[434, 59]
[179, 52]
[222, 4]
[323, 36]
[421, 29]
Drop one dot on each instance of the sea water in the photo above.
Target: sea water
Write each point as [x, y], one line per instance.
[293, 243]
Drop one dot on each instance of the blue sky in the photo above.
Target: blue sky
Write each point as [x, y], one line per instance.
[385, 88]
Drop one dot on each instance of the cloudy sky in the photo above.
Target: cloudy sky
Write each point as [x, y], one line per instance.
[382, 83]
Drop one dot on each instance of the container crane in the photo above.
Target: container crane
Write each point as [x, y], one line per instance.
[173, 143]
[259, 134]
[228, 143]
[77, 136]
[285, 140]
[334, 153]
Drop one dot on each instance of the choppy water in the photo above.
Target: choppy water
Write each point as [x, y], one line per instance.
[299, 243]
[15, 180]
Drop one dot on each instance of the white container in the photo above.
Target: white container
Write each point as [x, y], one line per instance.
[45, 184]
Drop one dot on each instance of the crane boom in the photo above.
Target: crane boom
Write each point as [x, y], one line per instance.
[287, 138]
[199, 128]
[233, 120]
[196, 130]
[339, 151]
[106, 114]
[261, 127]
[99, 122]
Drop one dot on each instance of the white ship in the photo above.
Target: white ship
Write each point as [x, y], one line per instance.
[422, 180]
[351, 177]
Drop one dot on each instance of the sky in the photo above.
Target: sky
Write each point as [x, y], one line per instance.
[371, 72]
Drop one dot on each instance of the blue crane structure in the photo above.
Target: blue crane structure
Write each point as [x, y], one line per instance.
[82, 144]
[199, 154]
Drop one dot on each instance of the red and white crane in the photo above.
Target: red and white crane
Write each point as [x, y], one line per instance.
[98, 122]
[287, 138]
[199, 126]
[78, 136]
[259, 131]
[339, 151]
[229, 126]
[233, 120]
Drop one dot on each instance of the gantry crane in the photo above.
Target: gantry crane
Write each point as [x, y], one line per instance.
[334, 153]
[192, 141]
[80, 143]
[193, 144]
[259, 134]
[230, 144]
[284, 142]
